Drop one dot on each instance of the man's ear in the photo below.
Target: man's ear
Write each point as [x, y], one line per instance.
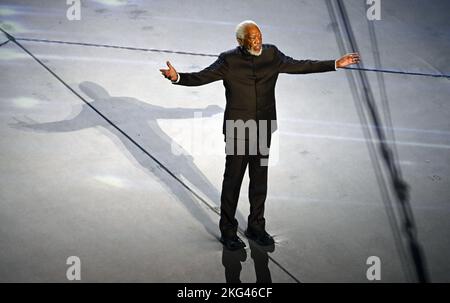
[240, 41]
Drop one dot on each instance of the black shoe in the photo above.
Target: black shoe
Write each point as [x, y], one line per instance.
[262, 238]
[232, 243]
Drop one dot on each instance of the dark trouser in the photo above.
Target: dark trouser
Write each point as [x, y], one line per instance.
[235, 168]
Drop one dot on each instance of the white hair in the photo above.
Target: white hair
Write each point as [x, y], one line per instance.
[240, 28]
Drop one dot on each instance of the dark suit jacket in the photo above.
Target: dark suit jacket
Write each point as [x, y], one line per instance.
[250, 80]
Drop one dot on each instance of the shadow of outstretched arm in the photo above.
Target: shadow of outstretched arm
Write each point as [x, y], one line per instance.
[83, 120]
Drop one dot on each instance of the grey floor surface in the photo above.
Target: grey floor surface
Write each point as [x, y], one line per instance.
[73, 185]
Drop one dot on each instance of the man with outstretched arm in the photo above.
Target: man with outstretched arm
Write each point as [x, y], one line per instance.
[249, 73]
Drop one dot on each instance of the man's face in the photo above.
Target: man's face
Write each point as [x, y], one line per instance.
[253, 40]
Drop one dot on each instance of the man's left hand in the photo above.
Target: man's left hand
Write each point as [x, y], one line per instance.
[347, 60]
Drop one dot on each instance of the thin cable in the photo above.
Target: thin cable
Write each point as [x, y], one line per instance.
[117, 47]
[212, 55]
[391, 71]
[3, 43]
[398, 185]
[406, 211]
[139, 146]
[367, 96]
[383, 93]
[370, 146]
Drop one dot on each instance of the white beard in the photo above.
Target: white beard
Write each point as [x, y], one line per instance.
[252, 52]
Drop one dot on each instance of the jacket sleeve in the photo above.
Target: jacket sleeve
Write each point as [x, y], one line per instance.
[289, 65]
[216, 71]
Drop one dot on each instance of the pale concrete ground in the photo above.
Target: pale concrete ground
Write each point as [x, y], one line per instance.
[73, 185]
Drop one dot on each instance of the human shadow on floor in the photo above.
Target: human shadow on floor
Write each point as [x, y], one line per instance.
[139, 120]
[231, 261]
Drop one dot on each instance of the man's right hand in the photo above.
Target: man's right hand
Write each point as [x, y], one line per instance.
[170, 73]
